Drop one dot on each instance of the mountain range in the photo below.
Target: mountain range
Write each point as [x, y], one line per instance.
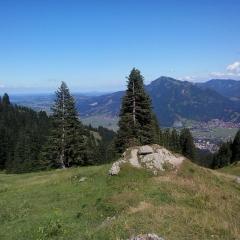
[173, 101]
[227, 87]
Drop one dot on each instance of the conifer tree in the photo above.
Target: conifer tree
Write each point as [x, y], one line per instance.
[166, 138]
[223, 156]
[22, 134]
[174, 141]
[156, 130]
[236, 148]
[5, 100]
[3, 147]
[187, 144]
[136, 116]
[66, 139]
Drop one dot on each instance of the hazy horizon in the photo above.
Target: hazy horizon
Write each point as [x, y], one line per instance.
[31, 91]
[93, 45]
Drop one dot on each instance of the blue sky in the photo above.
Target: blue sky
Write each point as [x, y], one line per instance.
[92, 45]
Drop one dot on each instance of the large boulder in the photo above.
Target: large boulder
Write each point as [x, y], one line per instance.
[154, 158]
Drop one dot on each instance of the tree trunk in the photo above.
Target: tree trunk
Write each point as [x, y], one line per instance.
[62, 156]
[62, 160]
[134, 105]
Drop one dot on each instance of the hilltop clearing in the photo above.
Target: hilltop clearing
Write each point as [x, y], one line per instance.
[86, 203]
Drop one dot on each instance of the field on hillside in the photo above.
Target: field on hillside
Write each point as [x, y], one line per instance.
[101, 120]
[233, 169]
[220, 134]
[85, 203]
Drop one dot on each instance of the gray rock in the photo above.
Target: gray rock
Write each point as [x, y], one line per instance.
[154, 158]
[133, 160]
[82, 179]
[115, 169]
[237, 180]
[149, 236]
[153, 161]
[143, 150]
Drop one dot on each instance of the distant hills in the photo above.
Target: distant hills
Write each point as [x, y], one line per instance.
[173, 101]
[226, 87]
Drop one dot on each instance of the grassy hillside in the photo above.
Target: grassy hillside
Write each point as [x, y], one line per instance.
[194, 203]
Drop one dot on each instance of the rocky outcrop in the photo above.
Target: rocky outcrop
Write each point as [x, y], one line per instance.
[146, 237]
[152, 157]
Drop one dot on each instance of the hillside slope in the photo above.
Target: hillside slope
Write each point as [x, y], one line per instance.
[85, 203]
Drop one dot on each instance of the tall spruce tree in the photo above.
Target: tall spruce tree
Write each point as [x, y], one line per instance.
[66, 140]
[136, 116]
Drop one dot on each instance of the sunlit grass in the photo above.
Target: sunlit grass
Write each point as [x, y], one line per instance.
[194, 203]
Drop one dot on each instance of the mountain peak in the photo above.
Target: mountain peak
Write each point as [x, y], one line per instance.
[163, 79]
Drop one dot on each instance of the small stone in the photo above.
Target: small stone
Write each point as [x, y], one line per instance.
[149, 236]
[82, 179]
[237, 180]
[115, 169]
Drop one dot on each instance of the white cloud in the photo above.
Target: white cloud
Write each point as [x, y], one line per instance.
[232, 71]
[2, 85]
[222, 74]
[234, 68]
[187, 78]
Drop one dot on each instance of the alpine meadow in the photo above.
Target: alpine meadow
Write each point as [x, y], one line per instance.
[87, 155]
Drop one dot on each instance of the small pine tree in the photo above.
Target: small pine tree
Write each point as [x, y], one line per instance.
[186, 144]
[136, 117]
[223, 156]
[156, 131]
[174, 141]
[5, 100]
[166, 138]
[236, 148]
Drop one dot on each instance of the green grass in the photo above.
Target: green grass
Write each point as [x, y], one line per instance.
[233, 169]
[102, 120]
[194, 203]
[223, 134]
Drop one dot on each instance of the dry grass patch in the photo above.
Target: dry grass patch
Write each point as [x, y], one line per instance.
[141, 207]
